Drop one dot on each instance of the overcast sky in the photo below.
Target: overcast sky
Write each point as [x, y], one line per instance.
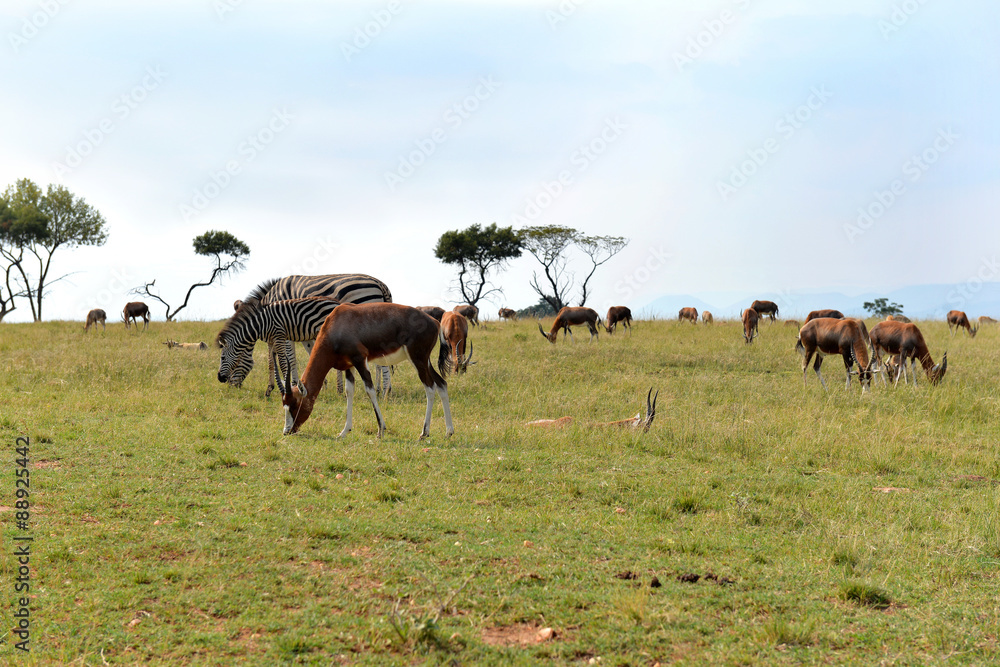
[742, 146]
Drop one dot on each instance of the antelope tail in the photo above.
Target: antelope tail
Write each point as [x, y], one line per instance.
[444, 357]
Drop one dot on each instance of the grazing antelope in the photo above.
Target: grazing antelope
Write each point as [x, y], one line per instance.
[469, 312]
[986, 319]
[827, 312]
[750, 320]
[570, 315]
[897, 318]
[507, 314]
[454, 334]
[434, 311]
[706, 317]
[95, 316]
[958, 319]
[903, 339]
[237, 304]
[768, 308]
[618, 314]
[186, 346]
[133, 310]
[792, 323]
[689, 314]
[351, 337]
[827, 335]
[639, 423]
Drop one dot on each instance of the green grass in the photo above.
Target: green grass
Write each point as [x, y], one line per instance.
[173, 522]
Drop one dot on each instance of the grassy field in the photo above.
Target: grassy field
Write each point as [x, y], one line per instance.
[173, 522]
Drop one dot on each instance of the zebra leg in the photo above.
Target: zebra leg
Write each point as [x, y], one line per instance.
[270, 369]
[360, 367]
[350, 404]
[385, 379]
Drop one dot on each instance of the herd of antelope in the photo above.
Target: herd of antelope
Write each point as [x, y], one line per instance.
[348, 321]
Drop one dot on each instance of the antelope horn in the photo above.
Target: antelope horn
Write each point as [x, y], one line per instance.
[542, 331]
[468, 359]
[277, 376]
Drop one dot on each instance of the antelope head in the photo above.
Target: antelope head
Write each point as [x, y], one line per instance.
[938, 370]
[973, 331]
[551, 339]
[463, 364]
[296, 401]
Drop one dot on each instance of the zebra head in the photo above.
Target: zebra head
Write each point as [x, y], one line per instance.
[236, 361]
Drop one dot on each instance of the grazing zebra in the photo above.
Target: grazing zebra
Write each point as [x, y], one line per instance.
[278, 324]
[344, 287]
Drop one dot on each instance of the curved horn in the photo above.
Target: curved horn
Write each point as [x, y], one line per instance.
[542, 331]
[468, 359]
[288, 375]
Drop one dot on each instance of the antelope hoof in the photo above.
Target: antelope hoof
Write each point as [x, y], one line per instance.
[344, 432]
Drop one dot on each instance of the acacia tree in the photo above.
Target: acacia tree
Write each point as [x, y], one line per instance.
[549, 245]
[40, 225]
[13, 230]
[477, 251]
[599, 249]
[210, 244]
[882, 308]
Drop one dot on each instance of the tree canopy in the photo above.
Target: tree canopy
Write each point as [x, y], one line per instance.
[882, 308]
[477, 251]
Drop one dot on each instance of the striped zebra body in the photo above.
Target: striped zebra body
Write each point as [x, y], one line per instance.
[344, 287]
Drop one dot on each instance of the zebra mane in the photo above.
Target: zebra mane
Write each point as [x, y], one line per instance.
[251, 306]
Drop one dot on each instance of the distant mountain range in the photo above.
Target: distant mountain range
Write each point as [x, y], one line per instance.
[918, 301]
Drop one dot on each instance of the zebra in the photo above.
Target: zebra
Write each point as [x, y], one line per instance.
[344, 287]
[278, 324]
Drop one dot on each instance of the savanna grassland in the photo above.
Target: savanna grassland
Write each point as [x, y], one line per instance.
[173, 522]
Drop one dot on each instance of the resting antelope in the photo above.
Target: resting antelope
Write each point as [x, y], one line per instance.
[689, 314]
[434, 311]
[750, 321]
[904, 339]
[827, 335]
[186, 346]
[469, 312]
[639, 423]
[95, 316]
[827, 312]
[706, 317]
[618, 314]
[569, 316]
[792, 323]
[897, 318]
[507, 314]
[958, 320]
[768, 308]
[986, 319]
[133, 310]
[454, 334]
[351, 337]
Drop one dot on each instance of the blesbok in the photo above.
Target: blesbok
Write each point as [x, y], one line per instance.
[134, 310]
[507, 314]
[571, 316]
[826, 312]
[618, 314]
[792, 323]
[469, 312]
[351, 337]
[897, 318]
[959, 320]
[185, 346]
[706, 317]
[434, 311]
[639, 422]
[95, 316]
[237, 304]
[986, 319]
[905, 340]
[763, 308]
[750, 321]
[689, 314]
[827, 335]
[454, 335]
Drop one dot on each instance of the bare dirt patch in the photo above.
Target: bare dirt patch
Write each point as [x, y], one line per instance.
[520, 634]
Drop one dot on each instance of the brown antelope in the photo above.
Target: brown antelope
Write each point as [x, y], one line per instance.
[750, 321]
[827, 335]
[434, 311]
[706, 317]
[185, 346]
[897, 318]
[618, 314]
[95, 316]
[763, 308]
[507, 314]
[958, 320]
[827, 312]
[792, 323]
[354, 335]
[639, 422]
[469, 312]
[986, 319]
[571, 316]
[133, 310]
[454, 334]
[688, 314]
[903, 339]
